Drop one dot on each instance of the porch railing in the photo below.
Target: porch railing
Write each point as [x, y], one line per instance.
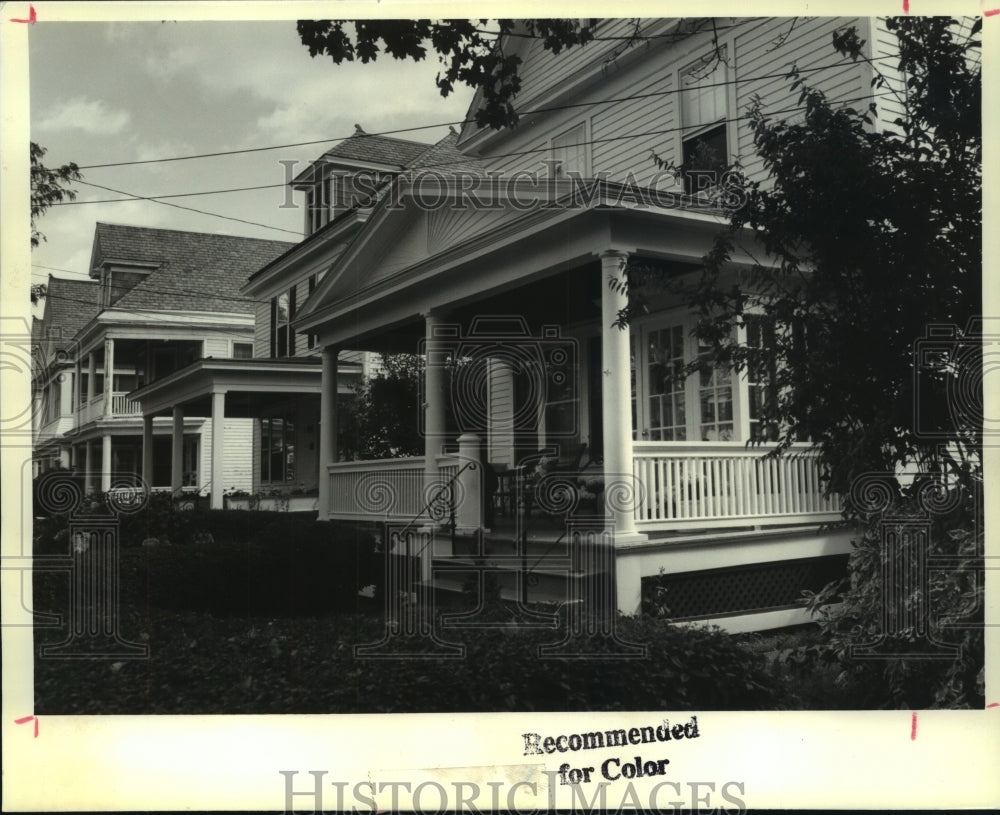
[686, 486]
[385, 489]
[122, 406]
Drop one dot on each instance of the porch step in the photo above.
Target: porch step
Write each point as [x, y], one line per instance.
[543, 587]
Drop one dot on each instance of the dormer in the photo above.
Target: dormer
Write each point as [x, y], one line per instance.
[114, 268]
[348, 175]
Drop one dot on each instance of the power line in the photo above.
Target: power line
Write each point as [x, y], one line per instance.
[541, 149]
[133, 196]
[550, 109]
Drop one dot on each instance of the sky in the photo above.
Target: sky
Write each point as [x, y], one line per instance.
[126, 91]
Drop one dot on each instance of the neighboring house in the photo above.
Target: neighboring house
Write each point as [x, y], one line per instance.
[518, 283]
[279, 387]
[158, 300]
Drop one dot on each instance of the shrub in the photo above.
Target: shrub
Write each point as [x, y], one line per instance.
[290, 567]
[952, 611]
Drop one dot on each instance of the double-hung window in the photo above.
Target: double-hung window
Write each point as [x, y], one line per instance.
[282, 314]
[704, 113]
[569, 152]
[277, 450]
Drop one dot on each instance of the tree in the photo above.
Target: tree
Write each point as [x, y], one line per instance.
[871, 237]
[382, 419]
[48, 187]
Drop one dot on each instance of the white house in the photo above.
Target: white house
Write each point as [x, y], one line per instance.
[158, 300]
[512, 273]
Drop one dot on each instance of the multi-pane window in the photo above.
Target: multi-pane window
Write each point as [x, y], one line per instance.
[282, 314]
[704, 111]
[570, 152]
[667, 419]
[561, 397]
[715, 398]
[277, 450]
[761, 375]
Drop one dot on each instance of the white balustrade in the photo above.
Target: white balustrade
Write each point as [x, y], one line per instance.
[687, 486]
[384, 489]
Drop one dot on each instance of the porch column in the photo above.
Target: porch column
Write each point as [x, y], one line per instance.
[218, 446]
[106, 462]
[88, 472]
[177, 450]
[109, 375]
[147, 450]
[434, 386]
[328, 451]
[616, 396]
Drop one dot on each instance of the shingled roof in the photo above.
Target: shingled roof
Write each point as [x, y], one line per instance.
[366, 147]
[445, 157]
[69, 306]
[195, 271]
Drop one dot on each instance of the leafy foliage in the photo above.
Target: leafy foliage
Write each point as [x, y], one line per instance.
[48, 187]
[947, 601]
[470, 54]
[382, 421]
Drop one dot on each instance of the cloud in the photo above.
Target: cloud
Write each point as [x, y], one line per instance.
[84, 114]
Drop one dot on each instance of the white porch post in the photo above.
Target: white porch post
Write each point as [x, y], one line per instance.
[616, 394]
[147, 450]
[106, 462]
[327, 425]
[177, 450]
[434, 414]
[109, 375]
[218, 446]
[616, 408]
[88, 472]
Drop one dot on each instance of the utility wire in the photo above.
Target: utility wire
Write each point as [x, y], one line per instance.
[551, 109]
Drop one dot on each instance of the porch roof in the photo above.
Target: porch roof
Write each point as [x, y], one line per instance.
[253, 384]
[412, 258]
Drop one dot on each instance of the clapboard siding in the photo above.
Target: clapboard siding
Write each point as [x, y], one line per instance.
[262, 329]
[885, 50]
[549, 73]
[237, 468]
[758, 56]
[216, 347]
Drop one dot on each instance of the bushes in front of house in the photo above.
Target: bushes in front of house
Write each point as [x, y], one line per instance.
[288, 567]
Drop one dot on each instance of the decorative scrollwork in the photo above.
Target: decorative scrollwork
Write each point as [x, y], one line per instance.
[375, 493]
[59, 492]
[872, 493]
[557, 493]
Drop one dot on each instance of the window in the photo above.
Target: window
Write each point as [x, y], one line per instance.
[311, 338]
[704, 110]
[277, 450]
[715, 397]
[189, 459]
[570, 152]
[282, 334]
[561, 398]
[242, 350]
[667, 419]
[761, 375]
